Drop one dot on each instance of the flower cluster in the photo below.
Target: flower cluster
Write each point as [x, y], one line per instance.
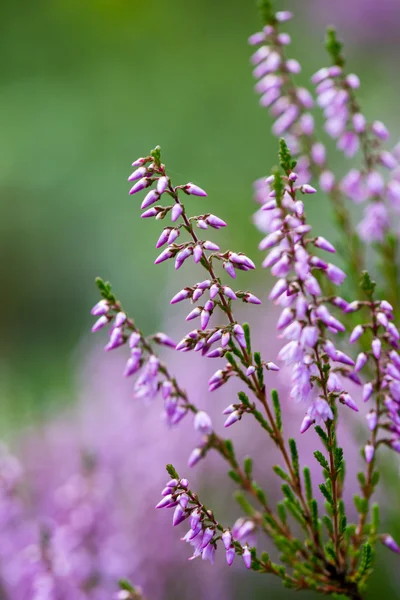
[305, 321]
[333, 556]
[380, 352]
[345, 122]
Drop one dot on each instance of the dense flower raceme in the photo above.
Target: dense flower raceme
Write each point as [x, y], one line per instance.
[305, 322]
[291, 107]
[381, 352]
[345, 122]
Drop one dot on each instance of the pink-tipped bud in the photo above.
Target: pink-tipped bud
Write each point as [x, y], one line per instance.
[101, 308]
[270, 366]
[176, 212]
[194, 190]
[306, 424]
[138, 174]
[390, 543]
[348, 401]
[100, 323]
[247, 557]
[162, 185]
[369, 451]
[321, 242]
[368, 390]
[195, 457]
[360, 362]
[232, 418]
[356, 333]
[140, 185]
[182, 295]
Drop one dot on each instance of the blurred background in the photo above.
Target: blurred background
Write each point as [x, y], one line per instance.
[85, 89]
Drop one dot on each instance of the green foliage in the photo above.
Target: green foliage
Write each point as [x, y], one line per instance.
[260, 370]
[285, 157]
[367, 284]
[248, 466]
[244, 399]
[277, 409]
[361, 504]
[326, 493]
[156, 155]
[267, 12]
[322, 460]
[365, 563]
[105, 290]
[278, 186]
[246, 329]
[281, 473]
[334, 47]
[295, 457]
[172, 472]
[308, 484]
[244, 503]
[324, 438]
[234, 476]
[259, 493]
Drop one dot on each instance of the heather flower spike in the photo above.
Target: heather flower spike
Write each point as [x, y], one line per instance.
[339, 348]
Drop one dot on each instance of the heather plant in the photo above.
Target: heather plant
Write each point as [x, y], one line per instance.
[332, 343]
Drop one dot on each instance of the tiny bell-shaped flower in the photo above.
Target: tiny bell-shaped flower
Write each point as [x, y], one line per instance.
[100, 323]
[203, 423]
[247, 557]
[232, 418]
[101, 308]
[369, 451]
[194, 190]
[368, 390]
[390, 543]
[348, 401]
[176, 212]
[195, 457]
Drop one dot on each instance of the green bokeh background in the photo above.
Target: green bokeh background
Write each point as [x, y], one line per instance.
[85, 89]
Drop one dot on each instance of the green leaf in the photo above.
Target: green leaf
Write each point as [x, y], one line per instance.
[328, 524]
[322, 435]
[244, 503]
[234, 476]
[338, 461]
[285, 158]
[325, 492]
[248, 466]
[267, 12]
[244, 399]
[367, 284]
[314, 514]
[322, 460]
[375, 519]
[246, 329]
[308, 484]
[280, 507]
[334, 47]
[281, 473]
[361, 504]
[172, 472]
[259, 492]
[125, 585]
[365, 563]
[295, 457]
[277, 409]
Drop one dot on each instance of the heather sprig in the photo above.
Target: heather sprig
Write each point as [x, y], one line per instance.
[345, 121]
[291, 107]
[318, 370]
[319, 549]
